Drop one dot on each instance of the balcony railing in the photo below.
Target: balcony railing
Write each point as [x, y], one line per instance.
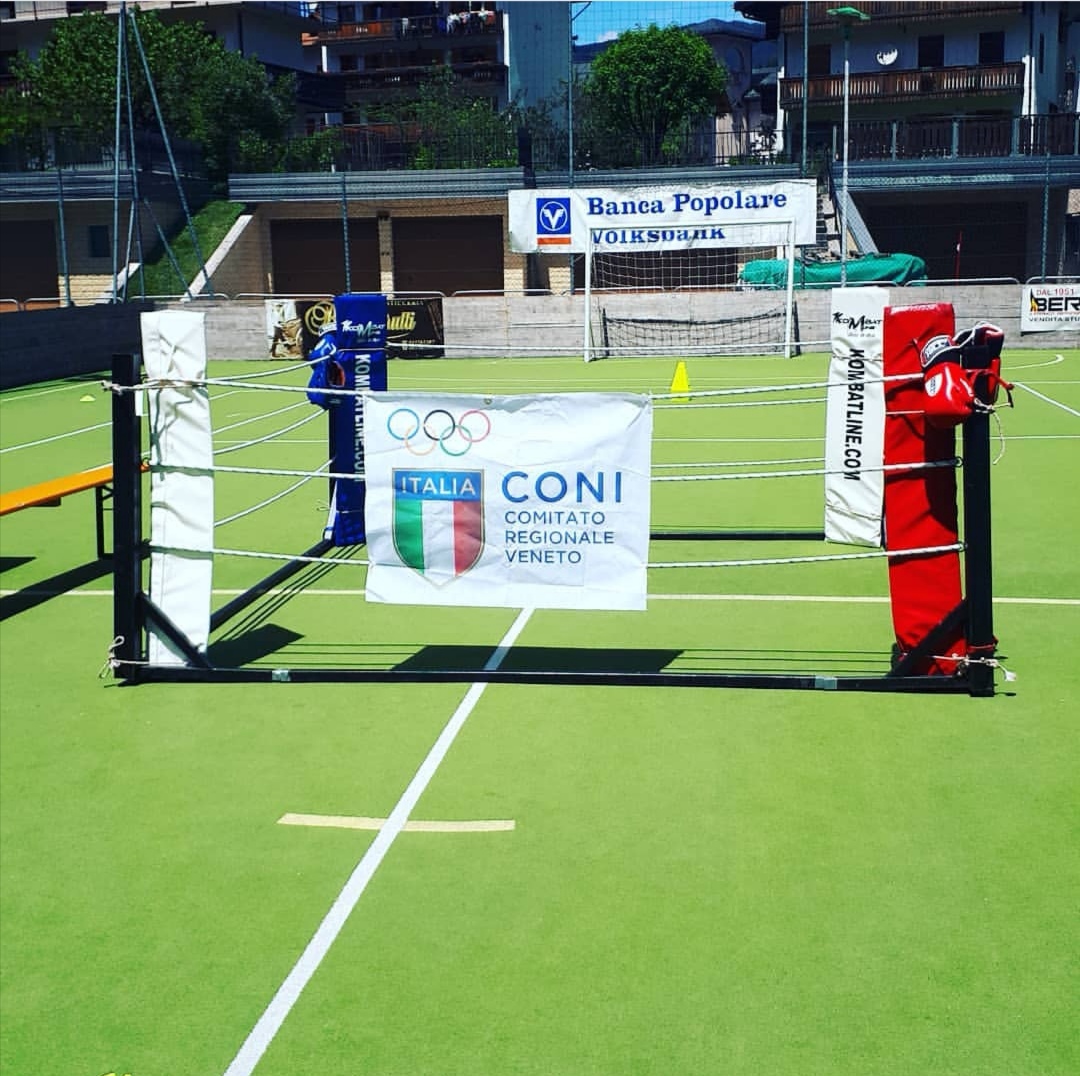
[360, 82]
[880, 11]
[22, 10]
[960, 137]
[426, 26]
[379, 147]
[884, 87]
[69, 149]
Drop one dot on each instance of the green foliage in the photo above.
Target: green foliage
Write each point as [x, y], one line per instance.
[651, 86]
[211, 224]
[205, 92]
[449, 127]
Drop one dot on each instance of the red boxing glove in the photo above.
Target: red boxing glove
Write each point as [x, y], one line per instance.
[949, 396]
[980, 347]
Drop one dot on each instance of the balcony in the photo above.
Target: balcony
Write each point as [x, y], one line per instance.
[359, 83]
[909, 12]
[24, 11]
[958, 138]
[406, 29]
[937, 84]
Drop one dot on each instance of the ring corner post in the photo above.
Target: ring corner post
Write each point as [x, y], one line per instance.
[127, 517]
[978, 564]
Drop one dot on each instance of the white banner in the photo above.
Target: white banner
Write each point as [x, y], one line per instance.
[1050, 307]
[855, 417]
[665, 218]
[537, 501]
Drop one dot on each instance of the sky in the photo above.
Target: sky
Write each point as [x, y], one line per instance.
[603, 20]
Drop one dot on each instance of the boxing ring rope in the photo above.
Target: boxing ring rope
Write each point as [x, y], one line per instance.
[133, 608]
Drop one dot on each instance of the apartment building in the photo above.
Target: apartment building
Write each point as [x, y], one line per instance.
[961, 134]
[962, 130]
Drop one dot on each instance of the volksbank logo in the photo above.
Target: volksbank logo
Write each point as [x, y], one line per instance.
[553, 222]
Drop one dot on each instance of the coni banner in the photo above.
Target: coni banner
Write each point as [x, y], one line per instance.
[535, 501]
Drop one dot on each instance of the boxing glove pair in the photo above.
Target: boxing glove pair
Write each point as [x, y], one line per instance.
[962, 374]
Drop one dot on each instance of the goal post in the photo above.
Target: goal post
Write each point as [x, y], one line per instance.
[677, 291]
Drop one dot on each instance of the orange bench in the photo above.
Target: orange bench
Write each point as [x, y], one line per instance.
[49, 495]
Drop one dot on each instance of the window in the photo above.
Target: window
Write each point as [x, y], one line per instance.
[992, 47]
[99, 241]
[818, 60]
[932, 51]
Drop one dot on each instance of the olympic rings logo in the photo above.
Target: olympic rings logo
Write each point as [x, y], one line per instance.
[438, 428]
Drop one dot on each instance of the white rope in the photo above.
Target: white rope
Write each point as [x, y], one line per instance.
[258, 418]
[964, 661]
[270, 436]
[270, 500]
[250, 553]
[737, 463]
[783, 388]
[922, 551]
[278, 472]
[272, 373]
[745, 403]
[877, 553]
[688, 394]
[930, 465]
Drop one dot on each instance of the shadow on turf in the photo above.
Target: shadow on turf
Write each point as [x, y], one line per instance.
[251, 646]
[38, 593]
[538, 658]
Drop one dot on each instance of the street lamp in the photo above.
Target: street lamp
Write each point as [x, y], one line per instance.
[848, 16]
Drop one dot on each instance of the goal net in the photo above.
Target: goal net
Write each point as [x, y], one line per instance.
[677, 293]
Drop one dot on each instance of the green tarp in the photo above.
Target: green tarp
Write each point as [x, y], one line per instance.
[886, 268]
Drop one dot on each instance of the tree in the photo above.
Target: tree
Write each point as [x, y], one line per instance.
[446, 126]
[205, 92]
[653, 84]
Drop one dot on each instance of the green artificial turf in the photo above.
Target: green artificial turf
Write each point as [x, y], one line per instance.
[745, 883]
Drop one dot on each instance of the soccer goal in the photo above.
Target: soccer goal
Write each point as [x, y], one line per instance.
[675, 291]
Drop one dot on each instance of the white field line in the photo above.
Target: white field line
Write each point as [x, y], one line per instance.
[1047, 399]
[317, 592]
[57, 437]
[83, 388]
[268, 1025]
[1055, 361]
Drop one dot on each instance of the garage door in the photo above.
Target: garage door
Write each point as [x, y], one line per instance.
[308, 256]
[28, 260]
[448, 254]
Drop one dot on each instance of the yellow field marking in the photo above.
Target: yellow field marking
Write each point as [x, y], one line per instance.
[336, 821]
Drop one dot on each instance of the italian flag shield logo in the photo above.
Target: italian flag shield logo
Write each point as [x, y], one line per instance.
[438, 525]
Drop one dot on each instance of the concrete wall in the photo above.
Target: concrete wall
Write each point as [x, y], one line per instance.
[43, 345]
[490, 325]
